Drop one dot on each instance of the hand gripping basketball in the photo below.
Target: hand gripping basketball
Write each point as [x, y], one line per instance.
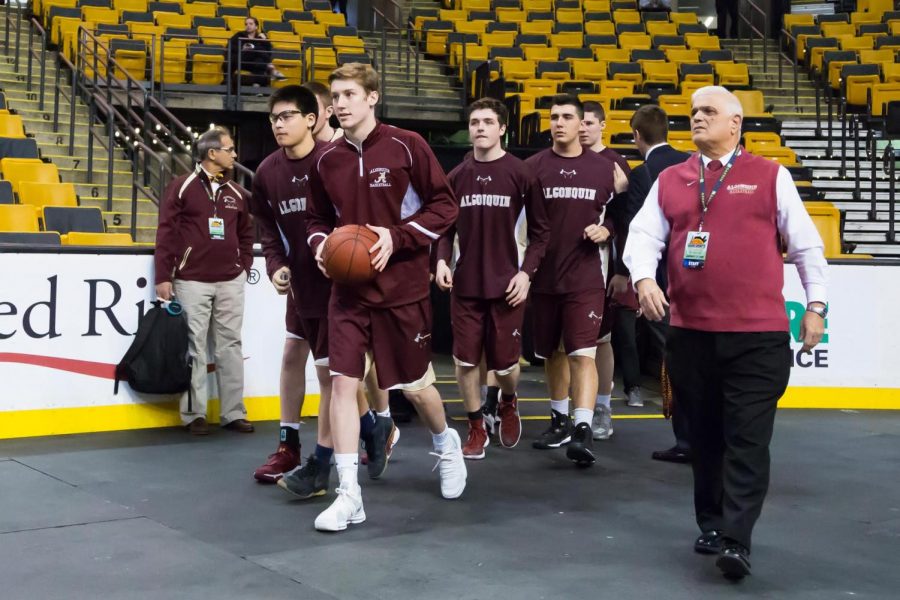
[345, 255]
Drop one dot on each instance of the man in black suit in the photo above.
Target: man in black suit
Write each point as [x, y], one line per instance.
[651, 127]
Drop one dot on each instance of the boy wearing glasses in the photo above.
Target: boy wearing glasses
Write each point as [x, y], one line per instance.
[204, 249]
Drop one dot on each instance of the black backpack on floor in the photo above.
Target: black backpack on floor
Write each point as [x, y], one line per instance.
[158, 361]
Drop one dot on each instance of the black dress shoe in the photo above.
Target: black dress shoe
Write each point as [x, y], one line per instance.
[709, 542]
[734, 561]
[673, 454]
[240, 425]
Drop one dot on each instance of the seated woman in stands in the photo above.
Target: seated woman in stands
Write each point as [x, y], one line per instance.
[255, 53]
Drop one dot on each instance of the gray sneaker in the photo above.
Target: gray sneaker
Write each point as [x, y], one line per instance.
[634, 397]
[602, 423]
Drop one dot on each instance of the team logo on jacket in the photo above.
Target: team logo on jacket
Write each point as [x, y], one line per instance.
[230, 202]
[741, 188]
[378, 177]
[567, 174]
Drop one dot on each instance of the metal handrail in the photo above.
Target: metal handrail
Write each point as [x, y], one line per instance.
[787, 37]
[890, 168]
[379, 11]
[764, 34]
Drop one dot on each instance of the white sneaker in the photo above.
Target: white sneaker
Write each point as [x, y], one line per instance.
[634, 397]
[452, 467]
[347, 508]
[602, 424]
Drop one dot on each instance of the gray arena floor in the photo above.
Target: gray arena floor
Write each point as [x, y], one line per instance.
[158, 514]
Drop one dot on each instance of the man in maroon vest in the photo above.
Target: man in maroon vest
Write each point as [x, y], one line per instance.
[721, 214]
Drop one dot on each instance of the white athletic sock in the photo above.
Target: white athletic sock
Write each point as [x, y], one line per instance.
[441, 440]
[386, 413]
[347, 467]
[604, 400]
[294, 426]
[583, 415]
[560, 406]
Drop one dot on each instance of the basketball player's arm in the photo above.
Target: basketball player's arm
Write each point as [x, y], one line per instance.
[647, 237]
[168, 242]
[320, 216]
[439, 206]
[806, 251]
[273, 248]
[443, 276]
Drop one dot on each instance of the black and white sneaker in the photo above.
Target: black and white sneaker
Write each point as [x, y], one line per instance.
[308, 481]
[558, 434]
[379, 446]
[581, 448]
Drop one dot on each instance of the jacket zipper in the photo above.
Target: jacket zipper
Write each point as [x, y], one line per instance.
[184, 258]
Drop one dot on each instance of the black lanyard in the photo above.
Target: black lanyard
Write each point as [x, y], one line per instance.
[704, 201]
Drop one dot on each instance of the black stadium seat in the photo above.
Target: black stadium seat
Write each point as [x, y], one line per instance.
[498, 26]
[18, 148]
[135, 16]
[315, 4]
[346, 57]
[6, 193]
[210, 22]
[153, 7]
[299, 15]
[64, 219]
[40, 238]
[232, 11]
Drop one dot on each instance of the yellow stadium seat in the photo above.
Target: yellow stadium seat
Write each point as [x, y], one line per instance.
[135, 5]
[266, 13]
[233, 3]
[683, 17]
[827, 220]
[589, 71]
[635, 41]
[816, 56]
[852, 42]
[60, 25]
[890, 72]
[615, 89]
[661, 28]
[660, 72]
[498, 39]
[675, 104]
[436, 38]
[100, 15]
[320, 62]
[326, 17]
[47, 194]
[880, 95]
[626, 16]
[11, 126]
[856, 87]
[170, 60]
[214, 36]
[512, 16]
[305, 28]
[837, 29]
[539, 87]
[834, 72]
[596, 6]
[130, 60]
[43, 8]
[206, 66]
[541, 53]
[600, 28]
[476, 27]
[536, 28]
[683, 145]
[349, 44]
[682, 55]
[537, 5]
[781, 154]
[282, 40]
[756, 139]
[170, 19]
[617, 121]
[752, 101]
[79, 238]
[17, 170]
[468, 5]
[291, 68]
[702, 41]
[876, 56]
[733, 74]
[515, 69]
[569, 15]
[199, 9]
[18, 217]
[570, 39]
[798, 19]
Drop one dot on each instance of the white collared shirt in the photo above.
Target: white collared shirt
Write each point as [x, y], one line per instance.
[213, 184]
[649, 234]
[652, 148]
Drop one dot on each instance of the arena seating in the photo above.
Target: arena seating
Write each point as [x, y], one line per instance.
[181, 43]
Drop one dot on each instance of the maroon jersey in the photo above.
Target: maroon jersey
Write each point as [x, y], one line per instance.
[392, 181]
[576, 190]
[496, 199]
[610, 154]
[280, 197]
[184, 248]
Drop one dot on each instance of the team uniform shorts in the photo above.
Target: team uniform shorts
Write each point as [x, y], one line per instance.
[398, 337]
[567, 322]
[488, 325]
[314, 331]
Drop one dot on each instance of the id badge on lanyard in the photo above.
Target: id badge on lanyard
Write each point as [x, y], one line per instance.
[216, 223]
[696, 245]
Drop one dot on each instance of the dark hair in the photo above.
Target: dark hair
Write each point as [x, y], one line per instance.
[211, 139]
[320, 90]
[596, 108]
[569, 100]
[489, 104]
[652, 123]
[299, 96]
[254, 19]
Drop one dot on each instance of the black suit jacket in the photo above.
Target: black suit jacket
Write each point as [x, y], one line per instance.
[639, 183]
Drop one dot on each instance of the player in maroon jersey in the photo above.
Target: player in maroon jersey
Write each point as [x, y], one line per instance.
[388, 180]
[499, 201]
[568, 289]
[591, 136]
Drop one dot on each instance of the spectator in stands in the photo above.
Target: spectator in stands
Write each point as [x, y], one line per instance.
[650, 125]
[722, 215]
[727, 9]
[655, 5]
[255, 53]
[204, 250]
[339, 6]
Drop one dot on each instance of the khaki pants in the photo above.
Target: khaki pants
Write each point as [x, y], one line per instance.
[220, 305]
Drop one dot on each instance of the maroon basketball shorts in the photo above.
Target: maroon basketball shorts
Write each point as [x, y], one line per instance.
[399, 338]
[313, 331]
[568, 322]
[609, 318]
[491, 325]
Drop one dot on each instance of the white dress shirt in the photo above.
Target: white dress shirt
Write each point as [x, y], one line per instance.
[649, 234]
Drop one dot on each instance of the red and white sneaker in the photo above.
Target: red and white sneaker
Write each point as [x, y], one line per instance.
[284, 460]
[475, 444]
[510, 423]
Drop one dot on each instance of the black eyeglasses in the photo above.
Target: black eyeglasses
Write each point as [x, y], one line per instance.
[229, 150]
[284, 116]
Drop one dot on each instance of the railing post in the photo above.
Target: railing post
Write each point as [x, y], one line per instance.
[74, 82]
[873, 157]
[828, 151]
[890, 166]
[18, 35]
[765, 37]
[111, 128]
[56, 98]
[843, 110]
[90, 140]
[30, 58]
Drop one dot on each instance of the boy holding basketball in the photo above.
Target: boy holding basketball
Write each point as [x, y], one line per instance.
[500, 201]
[388, 180]
[280, 191]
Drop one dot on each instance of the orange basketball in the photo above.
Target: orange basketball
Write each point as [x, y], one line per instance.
[346, 254]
